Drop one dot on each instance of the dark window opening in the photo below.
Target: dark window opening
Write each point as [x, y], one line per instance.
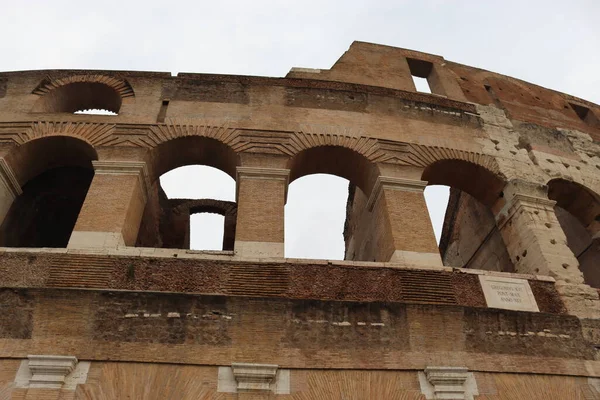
[581, 111]
[585, 114]
[162, 113]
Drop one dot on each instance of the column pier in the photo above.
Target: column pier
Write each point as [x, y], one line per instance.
[537, 245]
[405, 234]
[113, 208]
[261, 194]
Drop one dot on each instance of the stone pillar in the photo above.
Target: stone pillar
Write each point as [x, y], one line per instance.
[229, 231]
[9, 188]
[537, 244]
[403, 231]
[261, 194]
[113, 208]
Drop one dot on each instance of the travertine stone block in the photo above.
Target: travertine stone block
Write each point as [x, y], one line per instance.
[253, 378]
[448, 383]
[508, 293]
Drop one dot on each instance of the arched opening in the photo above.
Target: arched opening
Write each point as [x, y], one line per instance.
[55, 174]
[578, 212]
[315, 215]
[79, 96]
[192, 198]
[321, 213]
[469, 236]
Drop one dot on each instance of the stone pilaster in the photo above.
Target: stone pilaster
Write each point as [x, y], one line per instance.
[261, 194]
[9, 188]
[113, 208]
[404, 232]
[537, 245]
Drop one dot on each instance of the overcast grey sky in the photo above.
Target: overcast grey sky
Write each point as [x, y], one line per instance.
[552, 43]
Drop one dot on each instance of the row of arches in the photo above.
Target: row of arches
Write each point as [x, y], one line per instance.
[55, 173]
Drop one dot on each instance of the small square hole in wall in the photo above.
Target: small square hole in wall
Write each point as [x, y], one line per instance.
[420, 71]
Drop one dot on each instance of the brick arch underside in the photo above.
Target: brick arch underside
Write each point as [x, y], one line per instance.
[192, 150]
[81, 92]
[480, 182]
[577, 199]
[78, 97]
[45, 214]
[578, 212]
[470, 237]
[38, 155]
[334, 160]
[55, 174]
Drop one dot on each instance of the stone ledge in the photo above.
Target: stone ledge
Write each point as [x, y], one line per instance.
[448, 383]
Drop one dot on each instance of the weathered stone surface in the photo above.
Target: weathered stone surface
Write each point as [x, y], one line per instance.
[104, 272]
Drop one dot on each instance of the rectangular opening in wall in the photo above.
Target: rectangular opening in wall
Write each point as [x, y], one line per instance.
[585, 114]
[163, 111]
[421, 74]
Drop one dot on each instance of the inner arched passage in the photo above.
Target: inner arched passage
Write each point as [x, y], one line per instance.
[55, 173]
[191, 203]
[578, 212]
[323, 219]
[469, 234]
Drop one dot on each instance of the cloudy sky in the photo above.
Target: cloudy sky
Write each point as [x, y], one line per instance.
[552, 43]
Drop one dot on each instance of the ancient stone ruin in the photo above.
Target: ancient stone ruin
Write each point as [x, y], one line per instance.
[102, 298]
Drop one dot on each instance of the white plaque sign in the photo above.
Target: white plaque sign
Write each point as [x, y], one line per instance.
[508, 293]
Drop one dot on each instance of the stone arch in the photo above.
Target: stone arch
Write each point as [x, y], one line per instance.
[189, 150]
[82, 92]
[578, 212]
[55, 174]
[335, 160]
[94, 134]
[221, 207]
[43, 153]
[171, 147]
[582, 202]
[470, 237]
[227, 209]
[469, 176]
